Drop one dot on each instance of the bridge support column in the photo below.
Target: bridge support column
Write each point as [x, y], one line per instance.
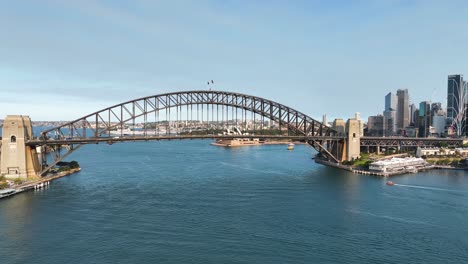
[353, 139]
[18, 160]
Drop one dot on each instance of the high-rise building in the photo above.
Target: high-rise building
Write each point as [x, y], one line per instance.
[416, 118]
[412, 109]
[402, 113]
[436, 108]
[456, 94]
[375, 126]
[438, 122]
[390, 102]
[389, 115]
[424, 119]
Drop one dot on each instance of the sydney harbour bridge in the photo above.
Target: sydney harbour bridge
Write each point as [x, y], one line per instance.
[185, 115]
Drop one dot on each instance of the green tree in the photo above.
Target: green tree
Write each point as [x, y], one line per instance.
[18, 181]
[74, 165]
[4, 185]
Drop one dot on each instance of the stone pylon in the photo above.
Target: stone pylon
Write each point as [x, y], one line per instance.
[18, 160]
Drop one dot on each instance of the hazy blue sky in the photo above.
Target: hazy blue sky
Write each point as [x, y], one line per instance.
[60, 60]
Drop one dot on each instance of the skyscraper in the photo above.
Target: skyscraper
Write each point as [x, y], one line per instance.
[389, 114]
[436, 108]
[424, 119]
[390, 102]
[375, 126]
[412, 109]
[402, 113]
[456, 94]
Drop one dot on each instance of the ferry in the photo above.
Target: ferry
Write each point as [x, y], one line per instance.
[290, 146]
[237, 142]
[7, 192]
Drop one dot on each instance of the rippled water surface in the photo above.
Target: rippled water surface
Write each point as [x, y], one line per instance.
[189, 202]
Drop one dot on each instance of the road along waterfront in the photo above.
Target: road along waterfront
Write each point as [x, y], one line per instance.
[187, 201]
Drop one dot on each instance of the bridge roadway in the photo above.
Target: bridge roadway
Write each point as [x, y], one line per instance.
[108, 140]
[365, 141]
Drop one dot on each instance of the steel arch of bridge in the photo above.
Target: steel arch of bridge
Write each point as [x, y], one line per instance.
[98, 124]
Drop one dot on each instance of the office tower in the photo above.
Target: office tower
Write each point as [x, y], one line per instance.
[438, 122]
[456, 94]
[436, 108]
[424, 119]
[389, 115]
[375, 126]
[390, 102]
[412, 109]
[402, 113]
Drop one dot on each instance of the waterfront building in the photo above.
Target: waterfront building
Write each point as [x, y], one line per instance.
[424, 119]
[456, 99]
[439, 151]
[402, 113]
[397, 165]
[462, 151]
[430, 151]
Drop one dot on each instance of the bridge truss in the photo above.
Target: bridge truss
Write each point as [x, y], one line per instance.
[410, 142]
[187, 114]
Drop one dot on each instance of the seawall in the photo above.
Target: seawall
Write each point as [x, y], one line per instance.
[42, 182]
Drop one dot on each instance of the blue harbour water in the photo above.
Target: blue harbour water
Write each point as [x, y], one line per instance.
[189, 202]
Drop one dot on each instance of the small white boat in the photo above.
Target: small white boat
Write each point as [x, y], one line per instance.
[290, 146]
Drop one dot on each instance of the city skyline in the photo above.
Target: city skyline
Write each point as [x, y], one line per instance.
[90, 55]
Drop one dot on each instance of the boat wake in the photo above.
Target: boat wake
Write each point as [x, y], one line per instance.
[429, 188]
[390, 218]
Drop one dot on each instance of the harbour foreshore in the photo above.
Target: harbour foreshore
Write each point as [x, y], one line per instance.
[32, 185]
[376, 173]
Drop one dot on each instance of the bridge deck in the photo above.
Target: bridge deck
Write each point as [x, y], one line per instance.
[365, 141]
[94, 140]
